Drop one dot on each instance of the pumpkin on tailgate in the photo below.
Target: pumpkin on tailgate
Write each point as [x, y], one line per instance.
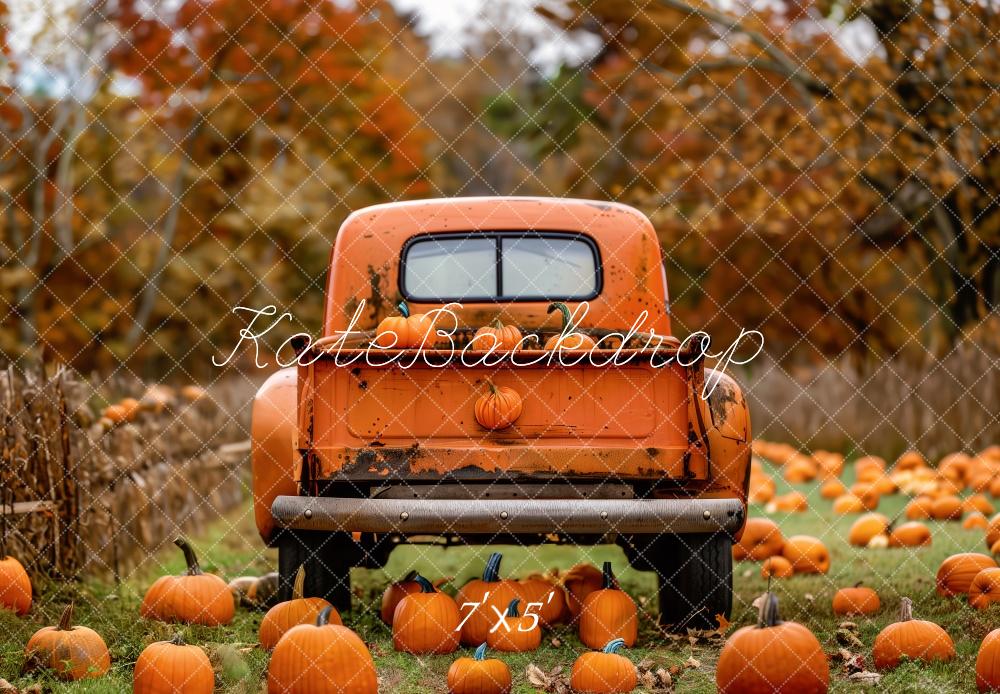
[915, 639]
[608, 614]
[761, 539]
[70, 652]
[499, 407]
[173, 667]
[604, 672]
[192, 598]
[426, 622]
[546, 592]
[567, 338]
[479, 675]
[291, 613]
[772, 656]
[497, 337]
[515, 633]
[321, 659]
[807, 555]
[911, 534]
[405, 331]
[485, 597]
[15, 586]
[857, 600]
[954, 576]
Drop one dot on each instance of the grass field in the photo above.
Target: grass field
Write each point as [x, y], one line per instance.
[232, 549]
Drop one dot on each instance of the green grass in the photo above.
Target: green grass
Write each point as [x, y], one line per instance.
[231, 548]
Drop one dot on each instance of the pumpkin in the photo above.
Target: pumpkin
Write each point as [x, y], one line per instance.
[498, 337]
[978, 502]
[15, 586]
[193, 393]
[479, 675]
[762, 489]
[985, 588]
[954, 576]
[486, 597]
[515, 633]
[567, 337]
[866, 527]
[608, 614]
[131, 408]
[910, 460]
[832, 488]
[404, 331]
[869, 494]
[777, 567]
[858, 600]
[911, 534]
[975, 520]
[915, 639]
[321, 659]
[993, 531]
[831, 464]
[116, 414]
[800, 471]
[848, 503]
[920, 508]
[581, 581]
[173, 667]
[291, 613]
[395, 592]
[498, 408]
[807, 555]
[947, 508]
[772, 656]
[988, 663]
[192, 598]
[603, 672]
[551, 598]
[71, 652]
[792, 502]
[761, 539]
[426, 622]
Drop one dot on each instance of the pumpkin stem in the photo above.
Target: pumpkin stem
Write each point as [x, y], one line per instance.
[425, 585]
[177, 640]
[299, 587]
[567, 318]
[480, 653]
[609, 577]
[769, 616]
[497, 324]
[858, 584]
[323, 618]
[193, 569]
[404, 310]
[905, 610]
[66, 620]
[613, 645]
[492, 386]
[491, 574]
[512, 607]
[410, 575]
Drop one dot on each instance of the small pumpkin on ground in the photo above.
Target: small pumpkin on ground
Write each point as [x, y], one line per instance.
[541, 590]
[608, 614]
[482, 596]
[515, 633]
[911, 534]
[985, 588]
[772, 656]
[291, 613]
[71, 652]
[173, 667]
[807, 555]
[567, 338]
[993, 531]
[404, 331]
[15, 586]
[322, 658]
[479, 675]
[846, 504]
[948, 507]
[978, 502]
[832, 488]
[867, 527]
[497, 337]
[580, 581]
[499, 407]
[915, 639]
[792, 502]
[920, 508]
[394, 592]
[604, 671]
[988, 663]
[194, 597]
[954, 576]
[761, 539]
[857, 600]
[426, 622]
[975, 521]
[777, 567]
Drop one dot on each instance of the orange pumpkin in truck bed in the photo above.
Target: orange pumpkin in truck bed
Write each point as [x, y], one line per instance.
[354, 455]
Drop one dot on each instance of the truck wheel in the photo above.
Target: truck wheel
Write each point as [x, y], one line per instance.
[323, 554]
[695, 574]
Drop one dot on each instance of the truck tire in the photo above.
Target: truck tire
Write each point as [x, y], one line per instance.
[326, 560]
[695, 574]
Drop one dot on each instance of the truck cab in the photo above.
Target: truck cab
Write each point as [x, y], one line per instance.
[354, 456]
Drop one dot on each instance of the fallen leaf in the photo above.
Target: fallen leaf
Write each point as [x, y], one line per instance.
[723, 623]
[692, 663]
[868, 679]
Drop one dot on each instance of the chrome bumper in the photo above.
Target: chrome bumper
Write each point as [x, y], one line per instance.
[493, 516]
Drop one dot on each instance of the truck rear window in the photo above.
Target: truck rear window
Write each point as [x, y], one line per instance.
[500, 266]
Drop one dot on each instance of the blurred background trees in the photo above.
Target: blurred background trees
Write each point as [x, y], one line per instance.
[824, 171]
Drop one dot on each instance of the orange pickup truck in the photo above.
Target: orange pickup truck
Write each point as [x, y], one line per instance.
[355, 456]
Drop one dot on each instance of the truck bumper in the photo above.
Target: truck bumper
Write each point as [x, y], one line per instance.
[494, 516]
